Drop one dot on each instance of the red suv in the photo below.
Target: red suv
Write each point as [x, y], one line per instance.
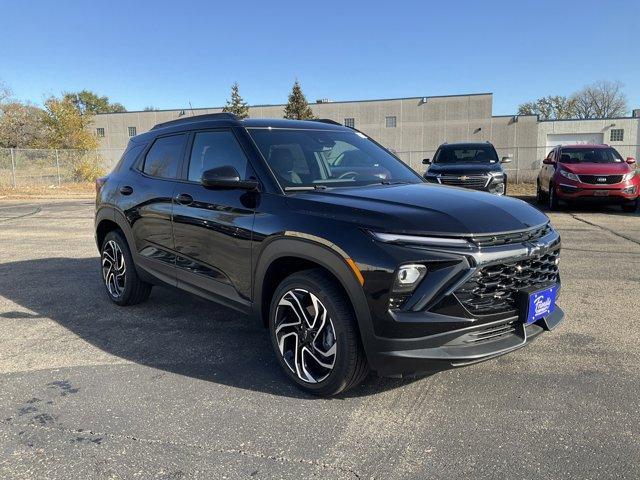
[596, 173]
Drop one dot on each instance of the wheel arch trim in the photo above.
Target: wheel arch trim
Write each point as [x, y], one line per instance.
[334, 260]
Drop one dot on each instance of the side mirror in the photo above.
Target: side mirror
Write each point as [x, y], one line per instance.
[426, 161]
[506, 159]
[631, 160]
[548, 161]
[226, 177]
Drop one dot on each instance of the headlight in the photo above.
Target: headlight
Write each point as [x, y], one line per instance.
[569, 175]
[496, 174]
[628, 176]
[420, 240]
[408, 277]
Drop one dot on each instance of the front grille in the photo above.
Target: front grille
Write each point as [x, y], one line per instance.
[508, 238]
[467, 181]
[597, 179]
[492, 332]
[494, 288]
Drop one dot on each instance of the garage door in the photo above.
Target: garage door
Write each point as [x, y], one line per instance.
[554, 139]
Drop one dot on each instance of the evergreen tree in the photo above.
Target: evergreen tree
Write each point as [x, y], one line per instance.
[236, 105]
[297, 107]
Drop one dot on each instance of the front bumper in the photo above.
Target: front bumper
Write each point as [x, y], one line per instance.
[460, 347]
[446, 321]
[580, 192]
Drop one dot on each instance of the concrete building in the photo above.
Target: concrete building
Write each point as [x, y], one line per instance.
[414, 127]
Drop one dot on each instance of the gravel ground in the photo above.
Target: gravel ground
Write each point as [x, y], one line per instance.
[182, 388]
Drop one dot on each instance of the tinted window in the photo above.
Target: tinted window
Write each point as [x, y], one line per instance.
[590, 155]
[216, 149]
[164, 158]
[467, 154]
[129, 156]
[334, 158]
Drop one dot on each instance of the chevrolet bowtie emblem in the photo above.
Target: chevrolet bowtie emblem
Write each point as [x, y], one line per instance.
[463, 178]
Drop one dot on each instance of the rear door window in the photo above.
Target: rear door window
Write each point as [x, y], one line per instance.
[164, 158]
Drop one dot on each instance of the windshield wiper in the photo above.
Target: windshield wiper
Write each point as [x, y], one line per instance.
[389, 182]
[306, 188]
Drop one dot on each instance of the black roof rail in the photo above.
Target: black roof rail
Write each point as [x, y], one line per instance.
[197, 118]
[327, 120]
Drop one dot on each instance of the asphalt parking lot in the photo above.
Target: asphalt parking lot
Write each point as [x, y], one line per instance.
[182, 388]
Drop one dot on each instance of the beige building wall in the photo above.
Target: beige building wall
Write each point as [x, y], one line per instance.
[422, 124]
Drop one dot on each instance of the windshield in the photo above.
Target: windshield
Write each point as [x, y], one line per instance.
[466, 154]
[304, 159]
[590, 155]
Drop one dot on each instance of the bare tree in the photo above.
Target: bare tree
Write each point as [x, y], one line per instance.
[553, 107]
[5, 92]
[603, 99]
[21, 125]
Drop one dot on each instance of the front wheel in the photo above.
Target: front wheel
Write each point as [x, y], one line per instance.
[539, 194]
[553, 198]
[630, 207]
[315, 335]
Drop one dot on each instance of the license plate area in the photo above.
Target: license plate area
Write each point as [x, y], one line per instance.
[601, 193]
[537, 303]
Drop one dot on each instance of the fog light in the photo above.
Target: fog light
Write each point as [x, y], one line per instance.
[629, 190]
[408, 277]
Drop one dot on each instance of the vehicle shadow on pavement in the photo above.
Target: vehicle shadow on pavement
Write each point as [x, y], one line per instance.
[172, 331]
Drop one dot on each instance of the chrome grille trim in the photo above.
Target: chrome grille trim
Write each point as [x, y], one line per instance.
[593, 179]
[494, 288]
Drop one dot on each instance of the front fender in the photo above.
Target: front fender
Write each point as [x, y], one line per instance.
[326, 255]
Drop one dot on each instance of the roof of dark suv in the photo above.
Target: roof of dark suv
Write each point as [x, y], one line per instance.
[213, 120]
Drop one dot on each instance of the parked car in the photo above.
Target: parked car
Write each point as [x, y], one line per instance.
[588, 173]
[468, 165]
[348, 272]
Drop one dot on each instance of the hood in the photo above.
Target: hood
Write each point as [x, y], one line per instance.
[463, 168]
[421, 209]
[597, 168]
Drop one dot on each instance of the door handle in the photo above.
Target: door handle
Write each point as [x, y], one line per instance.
[126, 190]
[184, 199]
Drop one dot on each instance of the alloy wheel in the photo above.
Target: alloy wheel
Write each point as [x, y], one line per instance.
[305, 335]
[113, 268]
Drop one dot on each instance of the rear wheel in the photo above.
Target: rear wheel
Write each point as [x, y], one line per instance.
[119, 275]
[630, 207]
[314, 334]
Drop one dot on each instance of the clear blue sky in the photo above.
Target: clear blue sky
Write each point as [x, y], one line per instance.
[166, 54]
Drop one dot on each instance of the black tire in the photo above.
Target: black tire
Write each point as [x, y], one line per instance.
[630, 207]
[349, 362]
[553, 202]
[132, 290]
[539, 194]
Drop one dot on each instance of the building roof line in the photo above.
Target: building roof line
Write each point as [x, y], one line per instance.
[583, 119]
[188, 109]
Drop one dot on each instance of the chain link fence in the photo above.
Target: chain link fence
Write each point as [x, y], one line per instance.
[50, 168]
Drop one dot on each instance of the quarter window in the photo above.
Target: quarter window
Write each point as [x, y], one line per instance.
[216, 149]
[132, 131]
[390, 122]
[616, 135]
[350, 122]
[100, 132]
[164, 158]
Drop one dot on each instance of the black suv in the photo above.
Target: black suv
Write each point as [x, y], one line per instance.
[350, 269]
[468, 165]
